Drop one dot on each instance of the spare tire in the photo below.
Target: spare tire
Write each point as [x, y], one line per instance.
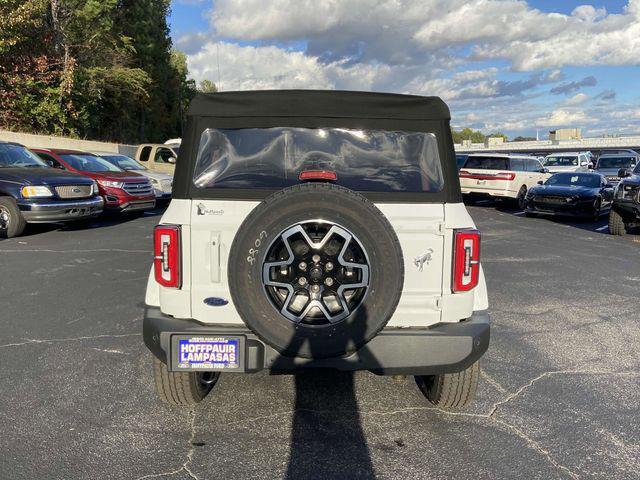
[316, 271]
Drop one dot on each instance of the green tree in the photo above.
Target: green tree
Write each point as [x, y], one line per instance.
[92, 68]
[207, 86]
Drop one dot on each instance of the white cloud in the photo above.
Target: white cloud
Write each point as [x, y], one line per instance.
[429, 47]
[407, 32]
[564, 118]
[577, 99]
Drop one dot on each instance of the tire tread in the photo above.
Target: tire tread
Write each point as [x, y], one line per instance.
[177, 388]
[616, 223]
[451, 391]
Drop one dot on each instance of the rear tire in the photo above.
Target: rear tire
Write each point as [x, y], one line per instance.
[182, 388]
[12, 223]
[450, 391]
[616, 223]
[521, 198]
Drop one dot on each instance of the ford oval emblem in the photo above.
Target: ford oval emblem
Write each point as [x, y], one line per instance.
[216, 301]
[76, 190]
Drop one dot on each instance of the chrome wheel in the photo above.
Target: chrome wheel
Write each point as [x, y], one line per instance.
[5, 218]
[316, 273]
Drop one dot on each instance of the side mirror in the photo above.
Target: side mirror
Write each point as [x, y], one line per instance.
[172, 160]
[50, 163]
[540, 182]
[544, 170]
[623, 172]
[584, 164]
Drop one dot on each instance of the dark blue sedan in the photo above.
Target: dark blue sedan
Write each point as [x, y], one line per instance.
[571, 194]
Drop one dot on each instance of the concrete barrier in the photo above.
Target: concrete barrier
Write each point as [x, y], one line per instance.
[49, 141]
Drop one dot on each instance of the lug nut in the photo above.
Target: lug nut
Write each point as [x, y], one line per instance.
[328, 281]
[329, 266]
[315, 288]
[302, 281]
[302, 265]
[315, 258]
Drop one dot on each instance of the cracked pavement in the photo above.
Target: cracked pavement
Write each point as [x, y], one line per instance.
[559, 395]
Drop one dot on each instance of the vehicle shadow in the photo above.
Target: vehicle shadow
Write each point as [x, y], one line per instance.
[104, 220]
[327, 439]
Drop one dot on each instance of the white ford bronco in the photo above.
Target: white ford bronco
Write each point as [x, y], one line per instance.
[317, 229]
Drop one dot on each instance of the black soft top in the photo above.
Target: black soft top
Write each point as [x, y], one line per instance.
[315, 109]
[318, 103]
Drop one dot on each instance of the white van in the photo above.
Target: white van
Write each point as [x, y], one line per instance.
[567, 162]
[501, 175]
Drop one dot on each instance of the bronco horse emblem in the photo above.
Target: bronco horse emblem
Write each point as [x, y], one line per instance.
[422, 259]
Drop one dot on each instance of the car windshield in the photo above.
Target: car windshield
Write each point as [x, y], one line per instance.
[18, 156]
[123, 162]
[89, 163]
[574, 180]
[487, 163]
[363, 160]
[616, 162]
[561, 161]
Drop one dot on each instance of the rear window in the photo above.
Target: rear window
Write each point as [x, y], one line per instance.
[487, 163]
[363, 160]
[561, 161]
[616, 162]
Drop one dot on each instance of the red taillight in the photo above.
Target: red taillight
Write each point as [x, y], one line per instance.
[318, 175]
[505, 176]
[166, 255]
[488, 176]
[466, 260]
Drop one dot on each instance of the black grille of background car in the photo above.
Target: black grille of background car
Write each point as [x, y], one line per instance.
[552, 199]
[141, 188]
[74, 191]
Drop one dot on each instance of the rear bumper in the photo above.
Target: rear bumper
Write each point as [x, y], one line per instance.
[443, 348]
[473, 192]
[61, 211]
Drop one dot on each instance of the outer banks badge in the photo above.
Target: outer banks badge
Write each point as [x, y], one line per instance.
[208, 353]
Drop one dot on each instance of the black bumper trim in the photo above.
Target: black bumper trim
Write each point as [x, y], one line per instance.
[443, 348]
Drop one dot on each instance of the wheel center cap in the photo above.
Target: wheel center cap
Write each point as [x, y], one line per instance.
[316, 274]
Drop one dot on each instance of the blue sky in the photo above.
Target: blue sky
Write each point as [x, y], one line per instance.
[501, 65]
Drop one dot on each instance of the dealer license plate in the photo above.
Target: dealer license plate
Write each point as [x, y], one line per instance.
[208, 353]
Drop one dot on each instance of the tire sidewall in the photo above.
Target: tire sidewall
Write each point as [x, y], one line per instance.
[300, 204]
[16, 220]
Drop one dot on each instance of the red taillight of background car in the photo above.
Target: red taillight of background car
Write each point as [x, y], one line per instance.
[166, 255]
[466, 260]
[487, 176]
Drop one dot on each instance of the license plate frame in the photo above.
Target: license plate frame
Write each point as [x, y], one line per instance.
[208, 353]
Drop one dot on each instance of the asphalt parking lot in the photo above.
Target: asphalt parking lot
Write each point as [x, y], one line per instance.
[559, 395]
